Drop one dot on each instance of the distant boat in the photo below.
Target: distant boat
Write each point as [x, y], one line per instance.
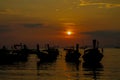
[93, 55]
[72, 55]
[47, 55]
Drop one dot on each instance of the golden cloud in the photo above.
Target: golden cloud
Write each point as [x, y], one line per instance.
[99, 4]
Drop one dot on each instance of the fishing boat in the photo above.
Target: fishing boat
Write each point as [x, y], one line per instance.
[93, 55]
[5, 57]
[47, 55]
[72, 54]
[20, 52]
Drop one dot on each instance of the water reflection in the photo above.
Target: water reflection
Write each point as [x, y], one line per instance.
[73, 70]
[15, 66]
[62, 70]
[93, 70]
[45, 65]
[46, 70]
[73, 66]
[19, 70]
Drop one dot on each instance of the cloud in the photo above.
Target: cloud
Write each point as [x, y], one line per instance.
[104, 34]
[99, 4]
[4, 28]
[10, 12]
[3, 11]
[32, 25]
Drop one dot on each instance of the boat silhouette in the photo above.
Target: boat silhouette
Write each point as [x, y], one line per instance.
[93, 55]
[72, 55]
[8, 56]
[47, 55]
[5, 57]
[20, 52]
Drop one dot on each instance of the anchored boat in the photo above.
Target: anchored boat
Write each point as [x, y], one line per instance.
[72, 55]
[93, 55]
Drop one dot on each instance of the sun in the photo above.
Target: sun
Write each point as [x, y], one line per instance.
[69, 32]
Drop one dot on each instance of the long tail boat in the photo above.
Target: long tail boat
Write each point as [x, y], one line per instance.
[72, 55]
[93, 55]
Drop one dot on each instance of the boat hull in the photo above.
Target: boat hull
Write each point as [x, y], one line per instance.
[92, 56]
[72, 57]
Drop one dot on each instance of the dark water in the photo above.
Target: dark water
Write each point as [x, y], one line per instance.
[109, 69]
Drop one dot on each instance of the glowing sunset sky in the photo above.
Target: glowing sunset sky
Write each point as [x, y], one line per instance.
[44, 21]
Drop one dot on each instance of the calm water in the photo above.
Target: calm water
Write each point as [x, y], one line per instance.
[109, 69]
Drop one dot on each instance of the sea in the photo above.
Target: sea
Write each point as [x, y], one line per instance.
[107, 69]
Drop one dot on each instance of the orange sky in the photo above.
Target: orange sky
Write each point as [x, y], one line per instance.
[46, 21]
